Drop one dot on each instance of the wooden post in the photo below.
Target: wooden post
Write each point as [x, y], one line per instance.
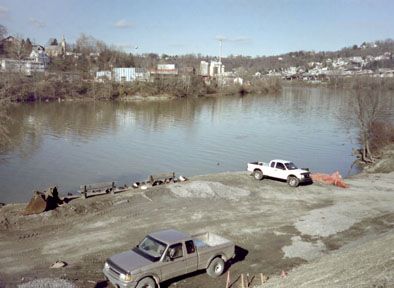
[112, 190]
[263, 278]
[85, 192]
[228, 279]
[242, 281]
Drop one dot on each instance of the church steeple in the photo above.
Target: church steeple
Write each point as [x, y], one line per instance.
[63, 45]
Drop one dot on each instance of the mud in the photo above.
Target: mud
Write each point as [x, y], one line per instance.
[275, 227]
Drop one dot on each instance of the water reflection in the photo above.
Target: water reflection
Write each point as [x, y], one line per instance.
[69, 144]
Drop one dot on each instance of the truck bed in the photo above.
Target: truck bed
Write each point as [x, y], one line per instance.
[253, 165]
[209, 240]
[258, 163]
[210, 244]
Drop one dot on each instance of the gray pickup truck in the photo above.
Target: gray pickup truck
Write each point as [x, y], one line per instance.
[166, 254]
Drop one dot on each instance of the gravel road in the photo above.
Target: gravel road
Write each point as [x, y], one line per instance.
[275, 227]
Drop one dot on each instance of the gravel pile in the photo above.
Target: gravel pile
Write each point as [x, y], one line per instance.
[47, 283]
[207, 189]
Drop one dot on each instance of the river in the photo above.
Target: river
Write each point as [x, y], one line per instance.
[73, 143]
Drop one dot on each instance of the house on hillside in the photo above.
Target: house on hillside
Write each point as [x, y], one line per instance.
[5, 42]
[57, 50]
[38, 55]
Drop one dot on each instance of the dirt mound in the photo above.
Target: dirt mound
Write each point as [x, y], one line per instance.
[386, 162]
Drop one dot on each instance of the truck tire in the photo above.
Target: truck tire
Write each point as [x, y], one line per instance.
[257, 174]
[216, 267]
[293, 181]
[146, 283]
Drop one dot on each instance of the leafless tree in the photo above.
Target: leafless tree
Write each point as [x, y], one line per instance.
[4, 119]
[19, 50]
[367, 106]
[87, 44]
[3, 31]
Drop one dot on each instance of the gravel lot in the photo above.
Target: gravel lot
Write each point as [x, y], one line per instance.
[275, 227]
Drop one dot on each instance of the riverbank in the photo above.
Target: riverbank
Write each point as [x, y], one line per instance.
[275, 227]
[17, 87]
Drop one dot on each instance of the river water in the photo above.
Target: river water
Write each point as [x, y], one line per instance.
[73, 143]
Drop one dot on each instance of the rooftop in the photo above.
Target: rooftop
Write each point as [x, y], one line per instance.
[170, 236]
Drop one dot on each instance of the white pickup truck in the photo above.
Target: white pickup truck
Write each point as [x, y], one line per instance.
[280, 169]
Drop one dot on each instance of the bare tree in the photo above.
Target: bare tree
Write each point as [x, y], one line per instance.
[86, 44]
[3, 31]
[367, 106]
[4, 119]
[19, 49]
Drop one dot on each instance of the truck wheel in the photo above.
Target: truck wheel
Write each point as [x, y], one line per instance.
[146, 283]
[293, 181]
[216, 267]
[257, 174]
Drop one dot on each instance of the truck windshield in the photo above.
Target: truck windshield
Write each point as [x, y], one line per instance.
[290, 166]
[152, 248]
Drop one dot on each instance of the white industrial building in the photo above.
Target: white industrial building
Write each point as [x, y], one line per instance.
[104, 75]
[216, 68]
[123, 74]
[128, 74]
[23, 66]
[204, 68]
[165, 69]
[213, 69]
[141, 74]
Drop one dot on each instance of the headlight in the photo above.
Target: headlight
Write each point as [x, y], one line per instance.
[126, 277]
[302, 176]
[106, 266]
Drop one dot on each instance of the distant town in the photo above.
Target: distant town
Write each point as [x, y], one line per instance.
[90, 56]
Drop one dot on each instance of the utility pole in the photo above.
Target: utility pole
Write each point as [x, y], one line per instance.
[221, 45]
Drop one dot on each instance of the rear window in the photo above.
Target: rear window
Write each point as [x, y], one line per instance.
[190, 247]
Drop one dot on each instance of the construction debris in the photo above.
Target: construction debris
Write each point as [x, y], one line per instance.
[41, 202]
[333, 179]
[58, 264]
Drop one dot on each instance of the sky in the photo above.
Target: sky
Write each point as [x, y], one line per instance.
[247, 27]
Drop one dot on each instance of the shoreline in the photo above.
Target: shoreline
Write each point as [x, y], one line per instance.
[385, 164]
[294, 228]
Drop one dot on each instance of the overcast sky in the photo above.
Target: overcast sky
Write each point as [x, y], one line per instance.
[248, 27]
